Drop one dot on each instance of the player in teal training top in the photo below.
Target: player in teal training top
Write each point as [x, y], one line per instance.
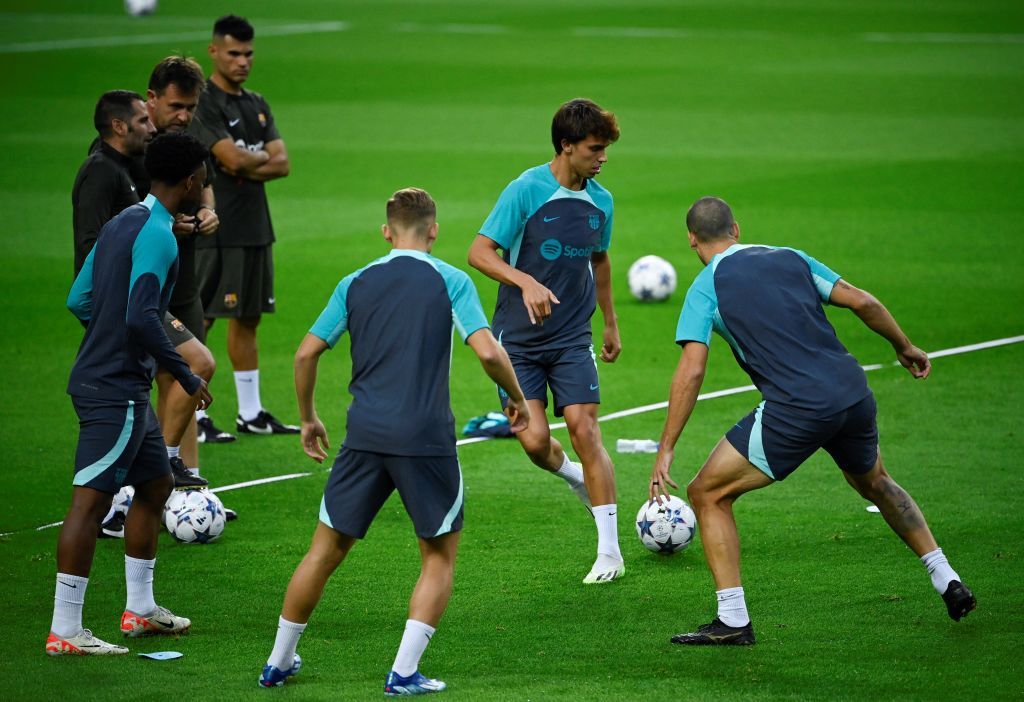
[399, 312]
[766, 302]
[553, 225]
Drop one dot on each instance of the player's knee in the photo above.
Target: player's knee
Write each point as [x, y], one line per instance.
[203, 364]
[154, 493]
[585, 435]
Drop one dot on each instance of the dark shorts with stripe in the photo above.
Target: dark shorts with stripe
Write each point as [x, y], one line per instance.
[571, 373]
[777, 439]
[361, 482]
[119, 443]
[176, 330]
[236, 281]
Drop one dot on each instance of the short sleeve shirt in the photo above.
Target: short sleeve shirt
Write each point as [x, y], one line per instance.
[242, 207]
[550, 232]
[400, 311]
[766, 302]
[103, 188]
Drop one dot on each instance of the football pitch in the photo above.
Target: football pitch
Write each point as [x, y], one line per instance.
[884, 138]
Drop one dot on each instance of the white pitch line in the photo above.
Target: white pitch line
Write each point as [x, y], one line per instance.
[940, 38]
[956, 350]
[144, 39]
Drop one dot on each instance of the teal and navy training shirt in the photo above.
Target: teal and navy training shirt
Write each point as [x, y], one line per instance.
[766, 302]
[122, 292]
[550, 232]
[399, 311]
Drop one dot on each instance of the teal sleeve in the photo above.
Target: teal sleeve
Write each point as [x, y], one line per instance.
[154, 251]
[606, 233]
[696, 320]
[824, 277]
[80, 297]
[467, 312]
[508, 217]
[333, 321]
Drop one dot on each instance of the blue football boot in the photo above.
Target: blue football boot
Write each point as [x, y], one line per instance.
[274, 677]
[415, 684]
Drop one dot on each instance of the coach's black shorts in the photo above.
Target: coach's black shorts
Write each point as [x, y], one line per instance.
[236, 281]
[119, 443]
[176, 330]
[571, 373]
[777, 440]
[191, 315]
[361, 481]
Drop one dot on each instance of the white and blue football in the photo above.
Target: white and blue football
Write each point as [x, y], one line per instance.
[666, 528]
[652, 279]
[194, 516]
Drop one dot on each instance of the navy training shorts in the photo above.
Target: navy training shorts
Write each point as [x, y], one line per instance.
[571, 373]
[119, 443]
[777, 440]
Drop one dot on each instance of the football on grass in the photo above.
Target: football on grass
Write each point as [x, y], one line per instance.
[666, 528]
[194, 516]
[652, 279]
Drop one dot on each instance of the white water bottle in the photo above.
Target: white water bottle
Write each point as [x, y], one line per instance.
[636, 446]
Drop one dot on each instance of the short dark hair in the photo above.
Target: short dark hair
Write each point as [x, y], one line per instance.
[114, 104]
[237, 27]
[411, 207]
[173, 156]
[182, 71]
[710, 218]
[578, 119]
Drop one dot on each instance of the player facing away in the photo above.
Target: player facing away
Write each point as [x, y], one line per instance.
[399, 311]
[553, 224]
[122, 292]
[235, 266]
[766, 302]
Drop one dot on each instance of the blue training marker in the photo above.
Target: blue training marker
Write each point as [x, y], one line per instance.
[162, 655]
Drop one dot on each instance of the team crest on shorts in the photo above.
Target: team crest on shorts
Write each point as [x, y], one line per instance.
[263, 119]
[178, 326]
[594, 221]
[231, 300]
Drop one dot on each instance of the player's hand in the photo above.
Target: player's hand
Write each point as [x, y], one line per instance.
[207, 222]
[660, 478]
[202, 396]
[538, 300]
[314, 440]
[518, 414]
[184, 225]
[916, 361]
[612, 346]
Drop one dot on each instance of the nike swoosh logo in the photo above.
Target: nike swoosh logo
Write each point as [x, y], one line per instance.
[234, 122]
[593, 387]
[552, 219]
[133, 188]
[68, 584]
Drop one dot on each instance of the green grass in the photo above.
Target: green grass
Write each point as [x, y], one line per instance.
[898, 163]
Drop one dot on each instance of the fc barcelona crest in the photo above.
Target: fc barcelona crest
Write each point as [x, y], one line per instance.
[594, 221]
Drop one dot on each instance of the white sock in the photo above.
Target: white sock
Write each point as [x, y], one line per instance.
[247, 385]
[173, 451]
[201, 414]
[414, 643]
[288, 633]
[68, 600]
[607, 531]
[732, 608]
[570, 472]
[138, 577]
[938, 567]
[194, 471]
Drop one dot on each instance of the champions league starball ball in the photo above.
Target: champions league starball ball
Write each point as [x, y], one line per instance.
[652, 279]
[666, 528]
[194, 516]
[138, 8]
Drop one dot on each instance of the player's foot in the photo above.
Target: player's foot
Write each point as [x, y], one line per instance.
[230, 515]
[210, 434]
[605, 570]
[159, 621]
[184, 479]
[113, 528]
[265, 423]
[81, 644]
[275, 677]
[717, 633]
[415, 684]
[959, 600]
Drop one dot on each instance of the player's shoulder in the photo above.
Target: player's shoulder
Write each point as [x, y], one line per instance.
[536, 177]
[450, 273]
[601, 196]
[255, 97]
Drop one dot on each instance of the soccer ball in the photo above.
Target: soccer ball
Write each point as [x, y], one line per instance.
[137, 8]
[122, 502]
[666, 528]
[194, 516]
[652, 279]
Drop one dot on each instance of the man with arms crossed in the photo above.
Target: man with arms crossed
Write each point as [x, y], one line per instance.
[235, 267]
[554, 225]
[766, 303]
[122, 292]
[397, 308]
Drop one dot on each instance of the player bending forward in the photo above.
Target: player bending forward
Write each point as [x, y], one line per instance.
[766, 303]
[399, 310]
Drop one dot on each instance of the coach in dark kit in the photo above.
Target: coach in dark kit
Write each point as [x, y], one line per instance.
[235, 267]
